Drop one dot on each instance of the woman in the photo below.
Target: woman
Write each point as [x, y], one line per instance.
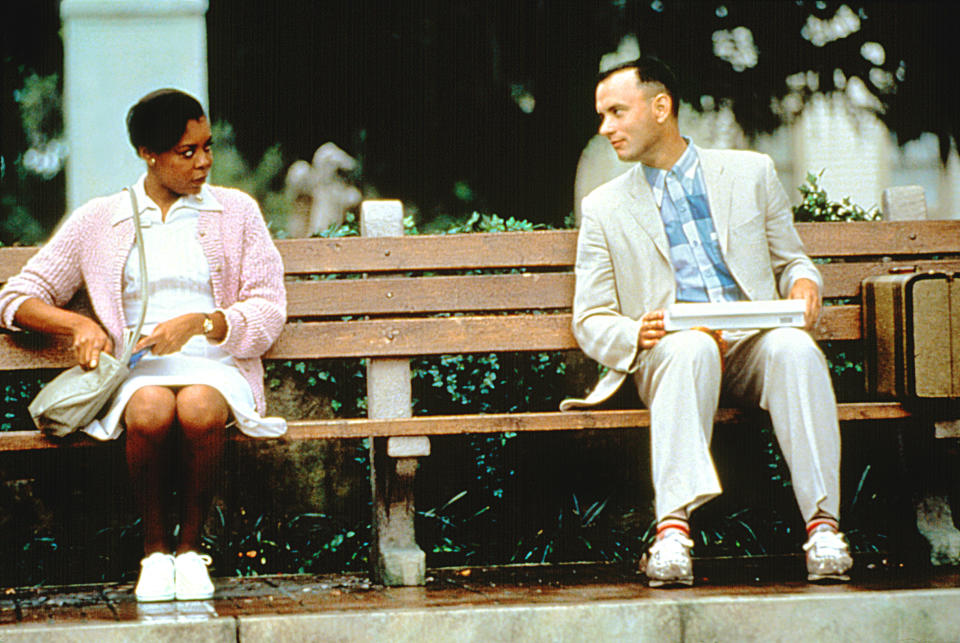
[216, 303]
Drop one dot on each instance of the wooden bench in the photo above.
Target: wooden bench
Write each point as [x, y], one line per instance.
[388, 298]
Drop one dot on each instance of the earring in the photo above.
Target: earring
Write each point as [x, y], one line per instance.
[153, 162]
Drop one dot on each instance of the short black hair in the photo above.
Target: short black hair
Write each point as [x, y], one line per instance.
[159, 119]
[649, 70]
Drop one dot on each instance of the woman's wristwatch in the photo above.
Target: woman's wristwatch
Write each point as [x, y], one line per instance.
[207, 324]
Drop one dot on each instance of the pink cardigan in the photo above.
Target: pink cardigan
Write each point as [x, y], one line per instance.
[92, 246]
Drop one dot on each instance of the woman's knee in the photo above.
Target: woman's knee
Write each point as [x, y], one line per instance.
[150, 411]
[200, 409]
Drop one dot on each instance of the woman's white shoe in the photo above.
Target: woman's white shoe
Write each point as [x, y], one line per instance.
[192, 579]
[156, 582]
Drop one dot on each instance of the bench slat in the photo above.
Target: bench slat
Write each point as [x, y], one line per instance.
[459, 424]
[429, 252]
[527, 291]
[878, 238]
[472, 334]
[407, 337]
[386, 295]
[843, 279]
[556, 248]
[430, 336]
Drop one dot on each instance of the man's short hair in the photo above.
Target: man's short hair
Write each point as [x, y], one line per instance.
[649, 70]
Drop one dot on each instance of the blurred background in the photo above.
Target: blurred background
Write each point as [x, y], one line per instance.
[478, 115]
[458, 106]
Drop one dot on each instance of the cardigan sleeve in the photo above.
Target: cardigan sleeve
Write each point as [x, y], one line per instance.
[256, 318]
[53, 275]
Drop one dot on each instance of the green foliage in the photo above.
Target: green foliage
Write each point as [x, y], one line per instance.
[816, 206]
[19, 387]
[40, 109]
[478, 222]
[29, 204]
[231, 170]
[301, 544]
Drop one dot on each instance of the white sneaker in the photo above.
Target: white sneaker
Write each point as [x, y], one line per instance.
[193, 580]
[828, 556]
[156, 582]
[669, 562]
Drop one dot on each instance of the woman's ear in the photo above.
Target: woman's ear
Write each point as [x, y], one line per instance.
[147, 155]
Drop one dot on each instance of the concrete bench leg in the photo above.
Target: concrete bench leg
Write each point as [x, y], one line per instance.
[395, 557]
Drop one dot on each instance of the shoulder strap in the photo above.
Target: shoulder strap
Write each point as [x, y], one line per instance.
[128, 349]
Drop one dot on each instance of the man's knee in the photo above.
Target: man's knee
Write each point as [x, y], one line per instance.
[791, 345]
[689, 346]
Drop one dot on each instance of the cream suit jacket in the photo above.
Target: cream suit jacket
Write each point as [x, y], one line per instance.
[623, 267]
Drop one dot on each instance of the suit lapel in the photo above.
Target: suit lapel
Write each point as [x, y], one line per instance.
[719, 195]
[644, 210]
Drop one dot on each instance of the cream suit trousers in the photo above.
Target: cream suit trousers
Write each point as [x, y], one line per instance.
[782, 371]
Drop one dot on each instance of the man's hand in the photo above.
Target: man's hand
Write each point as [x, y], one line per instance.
[651, 329]
[808, 291]
[170, 336]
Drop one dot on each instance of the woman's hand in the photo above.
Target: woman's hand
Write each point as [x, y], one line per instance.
[170, 336]
[88, 337]
[89, 340]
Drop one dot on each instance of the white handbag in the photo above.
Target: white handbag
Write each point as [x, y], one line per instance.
[74, 398]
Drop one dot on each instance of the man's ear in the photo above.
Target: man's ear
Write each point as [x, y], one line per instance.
[662, 106]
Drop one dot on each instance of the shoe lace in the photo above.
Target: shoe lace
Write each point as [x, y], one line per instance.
[822, 542]
[672, 546]
[156, 559]
[193, 557]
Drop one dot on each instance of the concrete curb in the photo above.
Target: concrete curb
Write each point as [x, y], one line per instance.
[929, 615]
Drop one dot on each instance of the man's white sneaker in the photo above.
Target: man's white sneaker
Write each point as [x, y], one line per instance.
[156, 582]
[193, 580]
[669, 562]
[828, 556]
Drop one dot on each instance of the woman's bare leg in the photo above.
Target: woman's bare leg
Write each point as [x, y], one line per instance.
[150, 419]
[202, 414]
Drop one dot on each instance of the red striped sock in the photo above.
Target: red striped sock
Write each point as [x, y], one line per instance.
[822, 521]
[673, 523]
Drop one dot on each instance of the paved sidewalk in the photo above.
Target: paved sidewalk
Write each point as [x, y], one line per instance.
[756, 600]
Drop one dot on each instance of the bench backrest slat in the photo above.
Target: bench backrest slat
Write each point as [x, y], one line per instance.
[429, 252]
[532, 291]
[336, 312]
[880, 238]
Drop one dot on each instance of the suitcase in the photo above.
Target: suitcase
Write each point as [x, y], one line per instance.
[911, 332]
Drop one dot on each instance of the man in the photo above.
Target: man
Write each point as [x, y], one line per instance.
[689, 224]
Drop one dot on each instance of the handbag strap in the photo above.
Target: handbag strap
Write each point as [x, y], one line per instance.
[144, 289]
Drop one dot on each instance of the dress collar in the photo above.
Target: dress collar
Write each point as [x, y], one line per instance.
[204, 201]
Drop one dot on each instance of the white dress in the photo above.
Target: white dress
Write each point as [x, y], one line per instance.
[179, 283]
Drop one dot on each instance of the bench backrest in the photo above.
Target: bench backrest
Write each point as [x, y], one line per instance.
[476, 293]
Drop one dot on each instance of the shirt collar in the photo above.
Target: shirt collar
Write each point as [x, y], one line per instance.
[685, 168]
[149, 210]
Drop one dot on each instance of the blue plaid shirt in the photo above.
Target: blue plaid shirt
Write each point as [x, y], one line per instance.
[681, 193]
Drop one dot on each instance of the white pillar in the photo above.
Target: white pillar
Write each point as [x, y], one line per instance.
[114, 52]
